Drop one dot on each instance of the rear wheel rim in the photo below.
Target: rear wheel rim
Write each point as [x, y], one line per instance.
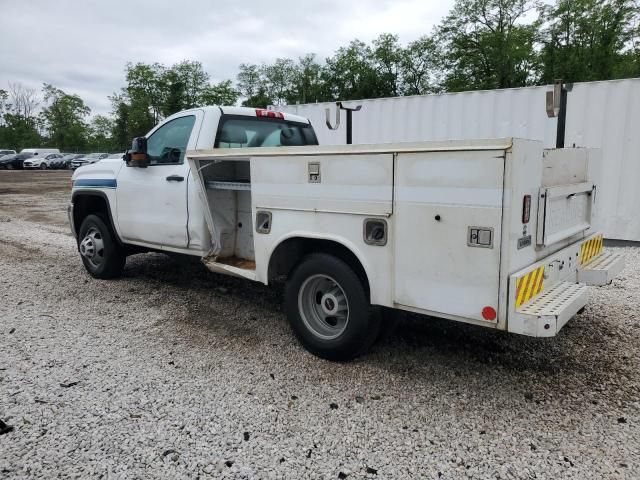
[323, 306]
[92, 247]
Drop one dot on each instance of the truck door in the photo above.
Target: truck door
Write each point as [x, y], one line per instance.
[152, 201]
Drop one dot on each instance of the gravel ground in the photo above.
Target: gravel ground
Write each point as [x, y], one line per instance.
[175, 372]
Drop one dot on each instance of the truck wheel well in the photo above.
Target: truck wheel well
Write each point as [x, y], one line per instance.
[84, 205]
[289, 253]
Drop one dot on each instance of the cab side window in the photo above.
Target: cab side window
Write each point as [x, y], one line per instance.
[168, 144]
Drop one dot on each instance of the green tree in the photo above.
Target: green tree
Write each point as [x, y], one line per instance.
[589, 40]
[260, 100]
[121, 131]
[144, 95]
[421, 67]
[251, 84]
[100, 137]
[249, 80]
[63, 119]
[279, 80]
[488, 45]
[351, 73]
[19, 126]
[308, 85]
[388, 60]
[221, 93]
[182, 86]
[194, 81]
[18, 132]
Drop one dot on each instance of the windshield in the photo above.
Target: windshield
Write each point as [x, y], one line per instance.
[238, 131]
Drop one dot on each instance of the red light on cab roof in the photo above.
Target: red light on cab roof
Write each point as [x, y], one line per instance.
[261, 112]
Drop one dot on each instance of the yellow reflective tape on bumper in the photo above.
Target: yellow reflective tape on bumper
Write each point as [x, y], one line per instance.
[529, 285]
[591, 248]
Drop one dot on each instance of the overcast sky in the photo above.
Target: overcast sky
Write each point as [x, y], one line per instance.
[81, 46]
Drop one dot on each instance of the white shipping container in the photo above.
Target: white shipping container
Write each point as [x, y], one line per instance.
[603, 115]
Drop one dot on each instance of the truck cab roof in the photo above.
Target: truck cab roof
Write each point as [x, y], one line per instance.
[244, 111]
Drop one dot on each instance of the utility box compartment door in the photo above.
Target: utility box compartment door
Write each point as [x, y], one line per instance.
[447, 221]
[564, 211]
[359, 184]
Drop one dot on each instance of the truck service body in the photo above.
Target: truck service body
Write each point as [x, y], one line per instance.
[499, 233]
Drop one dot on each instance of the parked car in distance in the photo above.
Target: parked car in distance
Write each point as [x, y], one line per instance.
[41, 160]
[39, 151]
[14, 161]
[7, 152]
[65, 160]
[88, 159]
[117, 155]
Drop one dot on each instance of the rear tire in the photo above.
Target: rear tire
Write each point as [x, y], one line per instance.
[101, 255]
[328, 308]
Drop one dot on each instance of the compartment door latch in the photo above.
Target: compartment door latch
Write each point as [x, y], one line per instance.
[314, 172]
[480, 237]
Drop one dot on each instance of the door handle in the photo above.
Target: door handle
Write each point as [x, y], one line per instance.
[174, 178]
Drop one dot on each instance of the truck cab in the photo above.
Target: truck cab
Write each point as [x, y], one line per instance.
[158, 207]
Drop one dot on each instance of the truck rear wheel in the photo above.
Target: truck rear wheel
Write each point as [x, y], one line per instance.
[101, 255]
[328, 308]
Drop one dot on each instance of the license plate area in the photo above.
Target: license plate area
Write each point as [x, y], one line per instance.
[563, 211]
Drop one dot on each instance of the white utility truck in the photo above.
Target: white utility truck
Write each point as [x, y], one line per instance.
[499, 233]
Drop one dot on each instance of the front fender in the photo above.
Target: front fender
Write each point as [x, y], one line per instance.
[80, 208]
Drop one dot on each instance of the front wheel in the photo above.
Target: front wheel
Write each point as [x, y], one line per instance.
[43, 166]
[328, 308]
[101, 255]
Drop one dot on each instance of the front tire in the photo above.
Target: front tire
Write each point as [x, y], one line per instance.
[328, 308]
[101, 255]
[43, 166]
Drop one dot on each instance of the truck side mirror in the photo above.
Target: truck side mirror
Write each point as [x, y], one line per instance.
[137, 156]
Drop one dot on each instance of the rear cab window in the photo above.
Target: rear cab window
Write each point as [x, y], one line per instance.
[239, 131]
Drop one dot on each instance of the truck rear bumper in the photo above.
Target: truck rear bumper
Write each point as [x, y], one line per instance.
[546, 314]
[546, 295]
[602, 269]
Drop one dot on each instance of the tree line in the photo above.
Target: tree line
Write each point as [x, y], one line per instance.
[480, 44]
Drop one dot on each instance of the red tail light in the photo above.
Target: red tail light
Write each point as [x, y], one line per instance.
[526, 209]
[260, 112]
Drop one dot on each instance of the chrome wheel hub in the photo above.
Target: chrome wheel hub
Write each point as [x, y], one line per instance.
[92, 247]
[323, 306]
